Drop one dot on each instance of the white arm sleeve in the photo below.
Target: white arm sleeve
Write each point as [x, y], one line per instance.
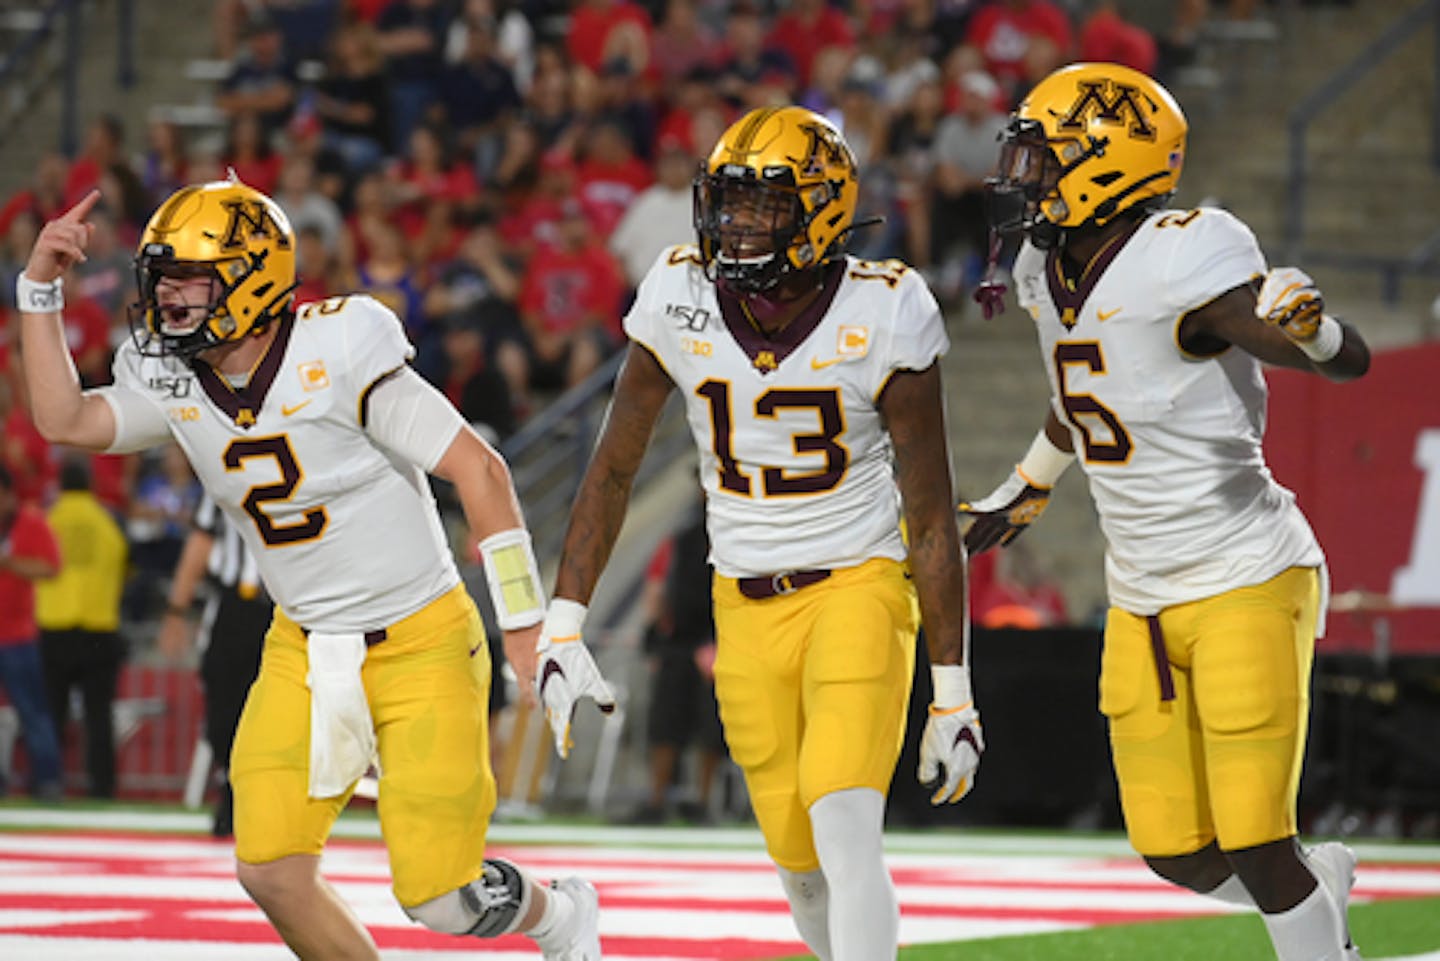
[140, 423]
[412, 419]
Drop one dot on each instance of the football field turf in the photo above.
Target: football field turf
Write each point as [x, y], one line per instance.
[134, 884]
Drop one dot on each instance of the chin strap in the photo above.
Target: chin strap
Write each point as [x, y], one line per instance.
[990, 295]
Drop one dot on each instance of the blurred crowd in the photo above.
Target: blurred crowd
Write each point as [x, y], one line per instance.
[501, 173]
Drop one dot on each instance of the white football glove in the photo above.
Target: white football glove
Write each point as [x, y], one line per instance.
[1290, 300]
[565, 672]
[951, 746]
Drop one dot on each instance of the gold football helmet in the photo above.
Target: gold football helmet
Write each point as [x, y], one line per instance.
[777, 197]
[231, 234]
[1088, 142]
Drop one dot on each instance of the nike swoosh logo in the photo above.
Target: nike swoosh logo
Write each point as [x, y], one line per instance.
[476, 648]
[550, 670]
[1105, 315]
[817, 364]
[286, 410]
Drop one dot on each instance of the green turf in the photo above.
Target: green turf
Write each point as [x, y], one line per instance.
[1383, 929]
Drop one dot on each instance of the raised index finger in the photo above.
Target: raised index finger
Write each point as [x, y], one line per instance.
[81, 210]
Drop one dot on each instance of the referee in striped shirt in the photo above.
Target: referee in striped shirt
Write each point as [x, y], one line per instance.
[232, 623]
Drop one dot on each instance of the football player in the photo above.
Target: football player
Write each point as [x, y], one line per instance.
[313, 434]
[1153, 325]
[811, 383]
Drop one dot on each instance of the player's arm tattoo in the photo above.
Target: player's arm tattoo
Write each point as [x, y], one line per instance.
[604, 494]
[914, 416]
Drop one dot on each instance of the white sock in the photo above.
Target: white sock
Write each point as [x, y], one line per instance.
[1310, 931]
[809, 898]
[555, 916]
[864, 913]
[1232, 891]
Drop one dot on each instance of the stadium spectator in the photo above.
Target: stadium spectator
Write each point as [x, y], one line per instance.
[107, 276]
[610, 176]
[249, 152]
[216, 567]
[683, 43]
[78, 612]
[827, 78]
[478, 290]
[165, 164]
[389, 275]
[533, 219]
[29, 462]
[480, 97]
[804, 29]
[352, 101]
[1020, 41]
[316, 267]
[159, 516]
[750, 61]
[432, 190]
[42, 200]
[28, 553]
[911, 141]
[569, 302]
[103, 148]
[22, 227]
[472, 384]
[87, 331]
[512, 37]
[680, 645]
[658, 217]
[1107, 37]
[964, 155]
[601, 31]
[305, 204]
[412, 38]
[262, 78]
[692, 99]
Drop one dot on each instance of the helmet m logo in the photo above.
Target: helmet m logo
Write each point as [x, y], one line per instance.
[1112, 103]
[249, 219]
[823, 151]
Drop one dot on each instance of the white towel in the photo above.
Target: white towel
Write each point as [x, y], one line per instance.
[342, 735]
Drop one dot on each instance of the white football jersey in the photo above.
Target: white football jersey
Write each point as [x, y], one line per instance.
[346, 535]
[794, 458]
[1170, 441]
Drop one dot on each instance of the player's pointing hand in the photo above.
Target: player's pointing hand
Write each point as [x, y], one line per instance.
[62, 242]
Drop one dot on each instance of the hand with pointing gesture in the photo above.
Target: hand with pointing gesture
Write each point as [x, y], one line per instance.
[62, 242]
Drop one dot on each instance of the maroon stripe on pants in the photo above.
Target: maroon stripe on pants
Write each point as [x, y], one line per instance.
[1162, 660]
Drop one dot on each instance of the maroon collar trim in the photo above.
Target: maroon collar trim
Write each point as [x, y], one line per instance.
[242, 404]
[1068, 301]
[766, 353]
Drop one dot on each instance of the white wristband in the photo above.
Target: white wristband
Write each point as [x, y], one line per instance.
[1044, 462]
[33, 297]
[1329, 338]
[952, 686]
[514, 579]
[565, 619]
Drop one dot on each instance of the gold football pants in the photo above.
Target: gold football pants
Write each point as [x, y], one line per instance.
[1221, 759]
[813, 688]
[427, 684]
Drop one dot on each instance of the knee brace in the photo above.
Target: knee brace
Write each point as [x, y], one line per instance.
[487, 907]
